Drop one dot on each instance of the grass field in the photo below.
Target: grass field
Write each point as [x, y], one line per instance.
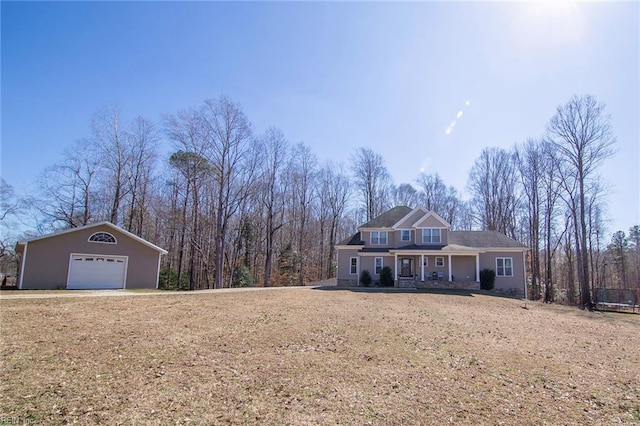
[307, 356]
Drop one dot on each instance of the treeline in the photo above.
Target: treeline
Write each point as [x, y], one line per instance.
[235, 207]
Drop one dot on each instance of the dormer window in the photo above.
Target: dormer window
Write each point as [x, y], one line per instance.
[102, 237]
[378, 238]
[431, 235]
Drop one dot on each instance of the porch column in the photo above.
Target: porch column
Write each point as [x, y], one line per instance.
[422, 267]
[449, 268]
[395, 267]
[477, 268]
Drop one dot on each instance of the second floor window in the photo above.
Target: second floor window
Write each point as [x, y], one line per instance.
[431, 235]
[378, 238]
[405, 235]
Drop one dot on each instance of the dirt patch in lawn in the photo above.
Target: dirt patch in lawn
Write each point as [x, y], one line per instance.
[312, 356]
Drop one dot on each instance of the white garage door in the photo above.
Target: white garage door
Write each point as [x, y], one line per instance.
[96, 271]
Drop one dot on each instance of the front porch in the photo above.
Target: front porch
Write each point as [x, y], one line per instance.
[437, 269]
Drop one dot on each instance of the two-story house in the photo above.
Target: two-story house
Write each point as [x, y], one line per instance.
[422, 251]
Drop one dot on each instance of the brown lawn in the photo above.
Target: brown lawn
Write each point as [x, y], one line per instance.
[304, 356]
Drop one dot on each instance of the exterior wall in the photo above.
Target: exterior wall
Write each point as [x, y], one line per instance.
[463, 268]
[509, 285]
[397, 238]
[344, 256]
[366, 237]
[47, 260]
[368, 263]
[444, 235]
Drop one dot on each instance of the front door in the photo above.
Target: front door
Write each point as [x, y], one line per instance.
[405, 267]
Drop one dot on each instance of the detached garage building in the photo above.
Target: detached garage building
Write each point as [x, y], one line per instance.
[98, 256]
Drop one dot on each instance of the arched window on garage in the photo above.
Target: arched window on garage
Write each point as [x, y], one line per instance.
[103, 237]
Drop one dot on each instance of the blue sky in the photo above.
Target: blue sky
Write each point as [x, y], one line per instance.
[389, 76]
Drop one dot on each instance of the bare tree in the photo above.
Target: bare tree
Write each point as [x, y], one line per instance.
[303, 170]
[372, 181]
[581, 133]
[335, 193]
[274, 191]
[406, 195]
[67, 189]
[227, 148]
[114, 156]
[493, 184]
[531, 163]
[143, 141]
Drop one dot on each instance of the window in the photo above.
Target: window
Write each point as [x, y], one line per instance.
[378, 265]
[440, 262]
[504, 266]
[378, 238]
[102, 237]
[431, 235]
[353, 266]
[405, 235]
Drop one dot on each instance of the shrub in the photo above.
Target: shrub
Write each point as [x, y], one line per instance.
[487, 279]
[242, 277]
[365, 278]
[168, 280]
[386, 277]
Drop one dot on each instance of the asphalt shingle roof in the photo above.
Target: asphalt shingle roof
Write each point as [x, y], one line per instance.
[483, 239]
[388, 218]
[354, 240]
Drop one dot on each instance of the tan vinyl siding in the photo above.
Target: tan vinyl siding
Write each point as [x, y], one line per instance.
[366, 237]
[344, 259]
[413, 218]
[397, 238]
[368, 263]
[464, 268]
[488, 260]
[47, 259]
[430, 222]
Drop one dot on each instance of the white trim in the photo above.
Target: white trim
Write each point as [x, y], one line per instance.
[524, 276]
[477, 268]
[379, 243]
[115, 240]
[353, 247]
[375, 253]
[158, 271]
[431, 237]
[24, 262]
[395, 272]
[504, 267]
[449, 268]
[351, 264]
[445, 224]
[375, 261]
[506, 249]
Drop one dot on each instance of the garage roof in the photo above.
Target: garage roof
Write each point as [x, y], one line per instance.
[20, 245]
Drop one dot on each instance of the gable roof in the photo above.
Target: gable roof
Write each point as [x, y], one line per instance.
[96, 225]
[483, 239]
[388, 218]
[427, 216]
